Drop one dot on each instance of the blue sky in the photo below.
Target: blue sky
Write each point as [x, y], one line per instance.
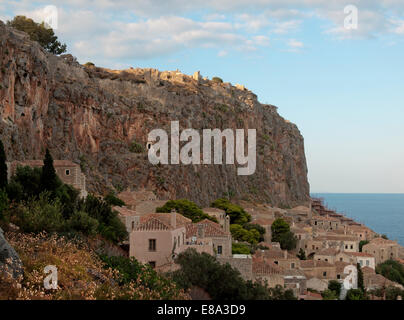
[343, 88]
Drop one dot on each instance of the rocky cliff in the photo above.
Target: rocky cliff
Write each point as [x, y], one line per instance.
[100, 118]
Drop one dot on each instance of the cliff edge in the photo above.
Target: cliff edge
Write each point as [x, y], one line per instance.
[100, 118]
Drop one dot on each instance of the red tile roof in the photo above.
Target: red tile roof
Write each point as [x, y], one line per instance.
[210, 228]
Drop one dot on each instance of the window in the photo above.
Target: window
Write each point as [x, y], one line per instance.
[351, 246]
[324, 274]
[326, 260]
[133, 225]
[152, 264]
[219, 249]
[67, 172]
[152, 244]
[315, 223]
[276, 262]
[367, 263]
[338, 276]
[292, 265]
[178, 240]
[346, 246]
[340, 259]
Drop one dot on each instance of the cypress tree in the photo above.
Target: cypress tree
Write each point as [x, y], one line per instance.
[3, 167]
[49, 180]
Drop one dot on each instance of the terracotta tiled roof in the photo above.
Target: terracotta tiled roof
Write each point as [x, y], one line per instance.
[263, 221]
[381, 241]
[211, 229]
[337, 238]
[368, 270]
[327, 252]
[164, 219]
[260, 267]
[272, 253]
[304, 264]
[359, 254]
[313, 296]
[124, 212]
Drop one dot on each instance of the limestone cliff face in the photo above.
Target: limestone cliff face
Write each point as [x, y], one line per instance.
[93, 116]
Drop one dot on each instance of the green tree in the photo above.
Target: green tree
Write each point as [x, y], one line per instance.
[49, 179]
[237, 213]
[25, 184]
[187, 208]
[40, 33]
[239, 233]
[392, 270]
[240, 248]
[361, 244]
[361, 283]
[259, 228]
[3, 167]
[301, 255]
[335, 286]
[354, 294]
[329, 295]
[278, 228]
[288, 241]
[113, 200]
[220, 281]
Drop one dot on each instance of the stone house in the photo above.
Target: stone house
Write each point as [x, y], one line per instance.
[363, 258]
[268, 272]
[319, 285]
[266, 224]
[326, 223]
[67, 171]
[219, 214]
[242, 262]
[133, 198]
[327, 255]
[382, 249]
[279, 257]
[362, 232]
[158, 238]
[295, 280]
[209, 233]
[129, 217]
[318, 269]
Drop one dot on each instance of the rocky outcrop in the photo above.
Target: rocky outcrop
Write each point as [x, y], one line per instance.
[100, 118]
[9, 260]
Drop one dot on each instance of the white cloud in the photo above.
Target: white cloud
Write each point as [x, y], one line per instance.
[222, 53]
[293, 43]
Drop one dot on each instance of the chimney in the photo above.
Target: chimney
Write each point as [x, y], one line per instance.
[227, 224]
[201, 231]
[174, 218]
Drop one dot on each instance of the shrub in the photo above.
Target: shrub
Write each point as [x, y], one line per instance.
[329, 295]
[187, 208]
[89, 64]
[220, 281]
[113, 200]
[80, 221]
[239, 233]
[240, 248]
[335, 286]
[237, 214]
[217, 80]
[281, 233]
[392, 270]
[259, 228]
[40, 215]
[136, 147]
[354, 294]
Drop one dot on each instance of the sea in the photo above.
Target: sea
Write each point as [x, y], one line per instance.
[383, 213]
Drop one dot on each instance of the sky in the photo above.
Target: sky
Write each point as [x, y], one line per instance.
[342, 83]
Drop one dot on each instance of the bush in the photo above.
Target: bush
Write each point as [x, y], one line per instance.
[25, 184]
[40, 215]
[335, 286]
[187, 208]
[281, 233]
[109, 224]
[259, 228]
[80, 221]
[354, 294]
[136, 147]
[392, 270]
[239, 233]
[329, 295]
[217, 80]
[113, 200]
[240, 248]
[220, 281]
[89, 64]
[237, 214]
[131, 270]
